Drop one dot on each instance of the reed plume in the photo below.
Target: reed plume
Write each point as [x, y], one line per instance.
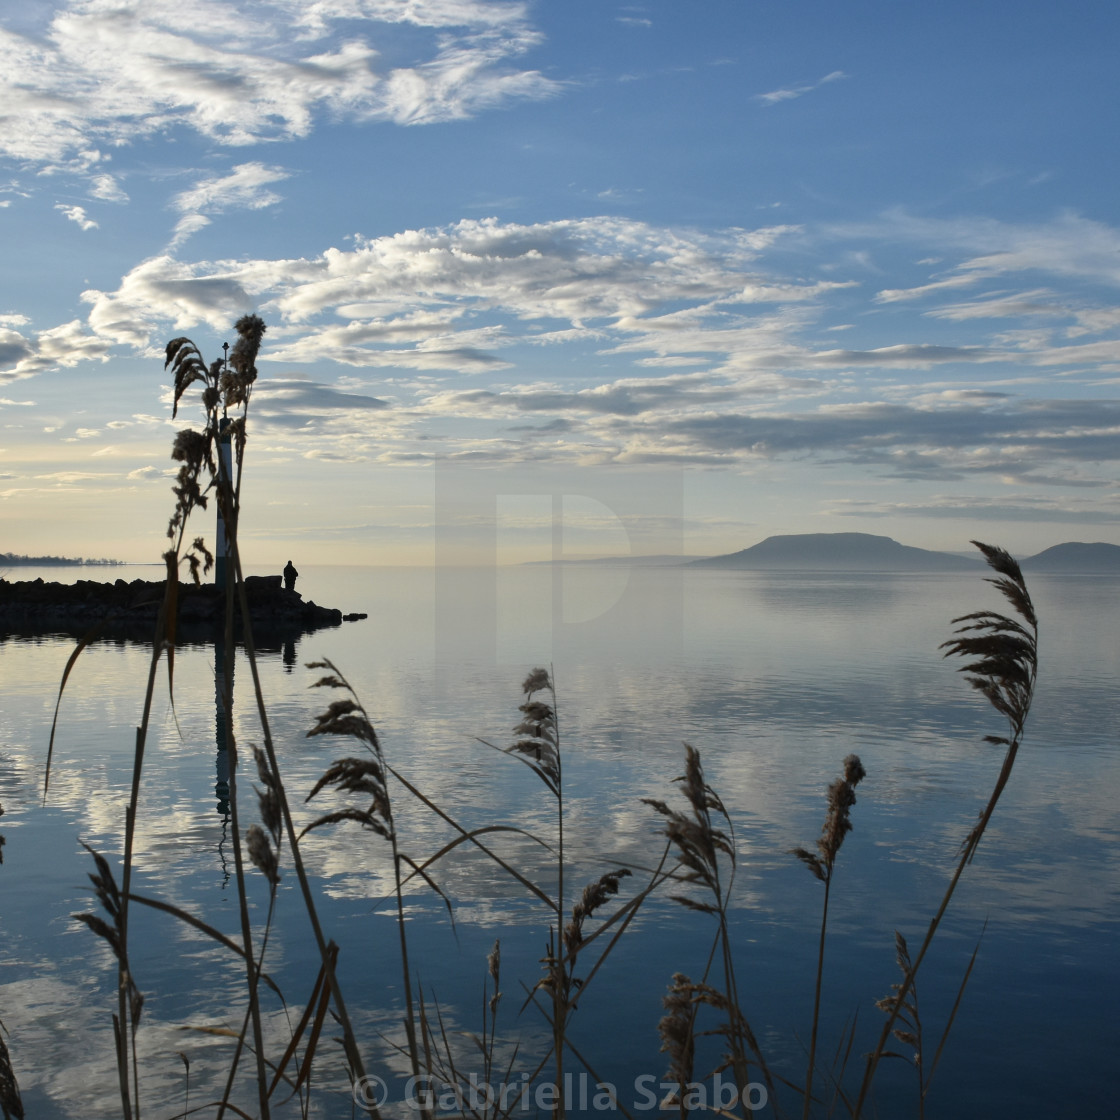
[698, 842]
[904, 1008]
[837, 825]
[538, 742]
[367, 776]
[700, 846]
[677, 1029]
[538, 746]
[1003, 665]
[595, 895]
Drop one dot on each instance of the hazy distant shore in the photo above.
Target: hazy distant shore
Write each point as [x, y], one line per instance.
[11, 560]
[865, 552]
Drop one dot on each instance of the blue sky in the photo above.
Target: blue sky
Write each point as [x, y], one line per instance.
[798, 266]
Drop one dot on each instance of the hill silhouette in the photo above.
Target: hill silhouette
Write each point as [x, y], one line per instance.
[1076, 556]
[862, 552]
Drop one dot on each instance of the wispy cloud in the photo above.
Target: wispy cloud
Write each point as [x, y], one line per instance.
[705, 349]
[232, 72]
[1003, 305]
[77, 215]
[971, 507]
[776, 96]
[65, 346]
[288, 402]
[438, 291]
[244, 188]
[1067, 246]
[107, 189]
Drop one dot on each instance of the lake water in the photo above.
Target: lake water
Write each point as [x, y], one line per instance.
[773, 678]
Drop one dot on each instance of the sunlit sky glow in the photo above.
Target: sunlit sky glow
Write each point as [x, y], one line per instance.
[816, 267]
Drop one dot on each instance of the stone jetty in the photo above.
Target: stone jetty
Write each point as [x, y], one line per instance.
[124, 608]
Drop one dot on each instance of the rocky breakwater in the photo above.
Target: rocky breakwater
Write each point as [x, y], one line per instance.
[129, 609]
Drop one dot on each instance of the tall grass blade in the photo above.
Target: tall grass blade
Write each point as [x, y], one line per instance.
[203, 927]
[315, 1012]
[350, 1046]
[71, 661]
[10, 1101]
[953, 1013]
[1005, 670]
[473, 834]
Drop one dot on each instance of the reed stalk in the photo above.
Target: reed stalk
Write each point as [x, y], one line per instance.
[1004, 667]
[1002, 663]
[822, 863]
[701, 846]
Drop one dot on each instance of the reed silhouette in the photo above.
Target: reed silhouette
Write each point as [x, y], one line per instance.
[696, 868]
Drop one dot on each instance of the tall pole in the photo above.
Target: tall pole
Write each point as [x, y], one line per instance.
[225, 475]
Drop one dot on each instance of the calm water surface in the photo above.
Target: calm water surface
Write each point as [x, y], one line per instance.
[774, 679]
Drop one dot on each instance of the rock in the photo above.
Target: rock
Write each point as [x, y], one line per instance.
[130, 609]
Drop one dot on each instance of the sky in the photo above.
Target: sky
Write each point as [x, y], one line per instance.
[671, 275]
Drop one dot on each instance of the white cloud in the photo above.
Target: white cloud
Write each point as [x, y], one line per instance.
[480, 15]
[232, 72]
[106, 188]
[161, 290]
[448, 298]
[611, 340]
[77, 214]
[1094, 320]
[72, 476]
[1068, 246]
[1001, 305]
[896, 295]
[1012, 507]
[458, 298]
[14, 349]
[185, 226]
[282, 401]
[778, 95]
[245, 187]
[65, 345]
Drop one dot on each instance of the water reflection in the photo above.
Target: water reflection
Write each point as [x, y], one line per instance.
[223, 710]
[773, 679]
[844, 593]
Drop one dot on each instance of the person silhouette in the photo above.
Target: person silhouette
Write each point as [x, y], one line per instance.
[290, 575]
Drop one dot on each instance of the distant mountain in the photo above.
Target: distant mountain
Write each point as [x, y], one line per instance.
[1074, 556]
[858, 552]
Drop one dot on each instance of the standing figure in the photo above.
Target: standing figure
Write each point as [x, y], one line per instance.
[290, 574]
